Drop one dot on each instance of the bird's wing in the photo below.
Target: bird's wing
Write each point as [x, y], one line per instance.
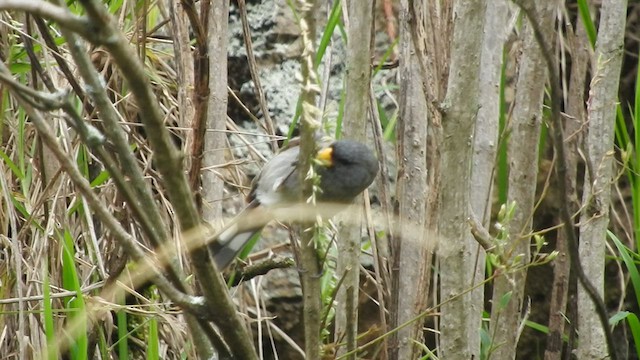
[278, 180]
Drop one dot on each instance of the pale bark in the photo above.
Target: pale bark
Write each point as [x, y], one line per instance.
[184, 66]
[596, 200]
[522, 153]
[486, 140]
[458, 339]
[427, 26]
[358, 79]
[215, 137]
[412, 256]
[309, 265]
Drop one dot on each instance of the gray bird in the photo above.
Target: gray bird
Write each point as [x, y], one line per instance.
[346, 169]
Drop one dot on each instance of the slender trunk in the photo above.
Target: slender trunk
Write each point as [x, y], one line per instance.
[486, 140]
[594, 220]
[522, 153]
[309, 264]
[358, 79]
[412, 257]
[459, 339]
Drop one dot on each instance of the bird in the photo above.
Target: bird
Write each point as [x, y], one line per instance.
[345, 167]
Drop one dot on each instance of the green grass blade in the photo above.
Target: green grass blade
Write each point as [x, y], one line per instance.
[153, 350]
[49, 327]
[25, 183]
[100, 179]
[634, 325]
[75, 304]
[389, 125]
[114, 6]
[385, 57]
[636, 164]
[536, 326]
[632, 321]
[20, 206]
[626, 255]
[629, 156]
[123, 332]
[334, 19]
[14, 168]
[622, 133]
[294, 121]
[103, 346]
[585, 15]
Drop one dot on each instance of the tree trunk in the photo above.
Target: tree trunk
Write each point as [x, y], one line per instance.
[459, 339]
[358, 83]
[486, 140]
[594, 220]
[506, 316]
[412, 254]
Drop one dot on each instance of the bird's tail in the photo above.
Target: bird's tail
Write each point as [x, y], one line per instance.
[232, 239]
[225, 250]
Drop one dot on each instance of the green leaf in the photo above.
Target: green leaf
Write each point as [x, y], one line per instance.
[100, 179]
[504, 300]
[535, 326]
[19, 68]
[632, 321]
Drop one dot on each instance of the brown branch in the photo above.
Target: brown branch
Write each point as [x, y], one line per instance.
[38, 99]
[169, 164]
[133, 187]
[201, 88]
[578, 46]
[249, 272]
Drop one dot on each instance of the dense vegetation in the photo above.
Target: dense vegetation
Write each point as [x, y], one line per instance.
[505, 221]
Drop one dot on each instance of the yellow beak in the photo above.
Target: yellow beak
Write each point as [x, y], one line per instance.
[325, 157]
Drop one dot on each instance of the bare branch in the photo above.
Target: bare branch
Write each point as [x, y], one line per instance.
[75, 23]
[480, 233]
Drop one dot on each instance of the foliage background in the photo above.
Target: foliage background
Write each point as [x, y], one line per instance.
[72, 286]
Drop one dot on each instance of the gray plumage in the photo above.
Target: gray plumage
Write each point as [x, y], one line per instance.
[351, 169]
